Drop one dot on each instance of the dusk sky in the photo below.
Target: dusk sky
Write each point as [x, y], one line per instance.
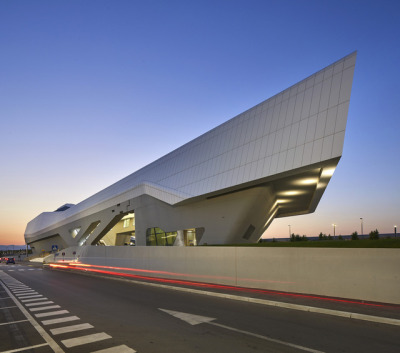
[91, 91]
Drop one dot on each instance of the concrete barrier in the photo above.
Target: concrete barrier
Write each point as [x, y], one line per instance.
[363, 274]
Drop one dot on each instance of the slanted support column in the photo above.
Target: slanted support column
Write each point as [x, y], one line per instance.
[180, 239]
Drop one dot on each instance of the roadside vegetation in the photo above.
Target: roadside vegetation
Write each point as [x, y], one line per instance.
[373, 240]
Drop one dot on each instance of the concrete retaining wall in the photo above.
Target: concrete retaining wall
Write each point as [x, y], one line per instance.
[365, 274]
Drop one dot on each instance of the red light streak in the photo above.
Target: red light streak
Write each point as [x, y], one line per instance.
[101, 270]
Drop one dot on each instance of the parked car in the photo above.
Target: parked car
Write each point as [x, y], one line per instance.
[10, 260]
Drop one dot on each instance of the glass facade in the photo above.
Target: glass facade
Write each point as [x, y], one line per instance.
[156, 236]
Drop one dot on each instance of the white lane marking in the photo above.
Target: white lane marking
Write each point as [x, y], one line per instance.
[30, 296]
[117, 349]
[60, 320]
[25, 294]
[21, 270]
[197, 319]
[310, 309]
[5, 298]
[54, 346]
[31, 269]
[306, 349]
[33, 300]
[40, 303]
[53, 313]
[73, 342]
[26, 348]
[45, 308]
[73, 328]
[10, 270]
[12, 322]
[9, 307]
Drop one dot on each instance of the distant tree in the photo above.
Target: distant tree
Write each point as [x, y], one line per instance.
[329, 237]
[340, 237]
[354, 236]
[374, 235]
[304, 238]
[292, 237]
[273, 240]
[322, 236]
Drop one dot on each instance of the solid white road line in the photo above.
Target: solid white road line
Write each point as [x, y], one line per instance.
[117, 349]
[9, 307]
[33, 300]
[53, 313]
[40, 303]
[73, 342]
[73, 328]
[12, 322]
[54, 346]
[5, 298]
[60, 320]
[45, 308]
[25, 348]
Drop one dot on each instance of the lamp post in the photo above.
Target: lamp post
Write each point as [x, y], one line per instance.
[334, 230]
[362, 232]
[395, 231]
[290, 231]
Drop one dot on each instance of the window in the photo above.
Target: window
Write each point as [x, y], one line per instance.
[126, 222]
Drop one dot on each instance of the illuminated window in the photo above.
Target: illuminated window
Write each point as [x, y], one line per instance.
[126, 222]
[157, 237]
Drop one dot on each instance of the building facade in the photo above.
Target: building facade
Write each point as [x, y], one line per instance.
[227, 185]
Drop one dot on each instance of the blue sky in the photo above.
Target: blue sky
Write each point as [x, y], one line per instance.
[93, 90]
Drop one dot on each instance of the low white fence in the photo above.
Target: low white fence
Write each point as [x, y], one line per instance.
[364, 274]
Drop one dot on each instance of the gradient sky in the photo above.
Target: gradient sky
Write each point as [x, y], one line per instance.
[91, 91]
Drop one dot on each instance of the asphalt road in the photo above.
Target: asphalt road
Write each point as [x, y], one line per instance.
[126, 317]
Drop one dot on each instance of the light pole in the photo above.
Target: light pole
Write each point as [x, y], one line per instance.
[334, 230]
[395, 231]
[362, 232]
[290, 231]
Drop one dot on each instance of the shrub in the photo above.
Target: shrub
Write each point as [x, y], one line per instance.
[354, 236]
[374, 235]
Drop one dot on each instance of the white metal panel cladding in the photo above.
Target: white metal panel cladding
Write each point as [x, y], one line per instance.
[301, 125]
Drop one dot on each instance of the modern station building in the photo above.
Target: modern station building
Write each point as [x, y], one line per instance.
[227, 185]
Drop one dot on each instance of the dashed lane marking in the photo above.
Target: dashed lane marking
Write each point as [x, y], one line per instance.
[9, 307]
[40, 303]
[12, 322]
[53, 313]
[30, 296]
[33, 300]
[117, 349]
[25, 348]
[60, 320]
[54, 346]
[73, 342]
[73, 328]
[45, 308]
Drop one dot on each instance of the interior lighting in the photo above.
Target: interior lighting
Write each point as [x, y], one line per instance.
[291, 193]
[307, 181]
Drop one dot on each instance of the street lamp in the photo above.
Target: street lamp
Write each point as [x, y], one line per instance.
[395, 231]
[362, 232]
[334, 230]
[290, 232]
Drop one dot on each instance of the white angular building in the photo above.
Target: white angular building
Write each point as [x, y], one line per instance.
[224, 187]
